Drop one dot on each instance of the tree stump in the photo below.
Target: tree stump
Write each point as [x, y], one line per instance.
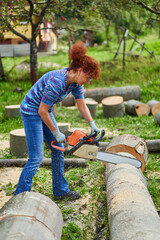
[137, 108]
[92, 106]
[157, 118]
[113, 107]
[30, 215]
[131, 211]
[18, 145]
[12, 111]
[64, 127]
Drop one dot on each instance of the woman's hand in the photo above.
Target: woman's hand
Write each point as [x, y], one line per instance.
[94, 128]
[60, 137]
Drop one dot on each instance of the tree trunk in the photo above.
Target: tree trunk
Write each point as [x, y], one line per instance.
[30, 215]
[33, 62]
[107, 31]
[2, 77]
[131, 211]
[117, 30]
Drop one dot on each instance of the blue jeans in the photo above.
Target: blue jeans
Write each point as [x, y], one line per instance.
[36, 130]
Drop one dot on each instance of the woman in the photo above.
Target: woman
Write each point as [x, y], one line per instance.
[39, 122]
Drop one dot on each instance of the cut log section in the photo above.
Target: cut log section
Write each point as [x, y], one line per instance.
[157, 118]
[113, 106]
[18, 145]
[12, 111]
[129, 144]
[131, 211]
[92, 106]
[128, 92]
[137, 108]
[151, 103]
[156, 109]
[31, 215]
[64, 127]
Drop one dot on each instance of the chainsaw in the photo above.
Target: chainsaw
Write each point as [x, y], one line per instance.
[86, 146]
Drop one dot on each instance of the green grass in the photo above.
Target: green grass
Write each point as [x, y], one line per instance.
[144, 72]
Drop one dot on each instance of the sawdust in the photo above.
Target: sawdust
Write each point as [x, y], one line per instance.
[7, 175]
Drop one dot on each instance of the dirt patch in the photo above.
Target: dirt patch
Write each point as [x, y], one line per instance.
[8, 175]
[3, 145]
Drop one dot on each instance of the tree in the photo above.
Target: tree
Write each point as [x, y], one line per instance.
[12, 13]
[151, 6]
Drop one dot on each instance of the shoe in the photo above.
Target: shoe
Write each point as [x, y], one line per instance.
[72, 195]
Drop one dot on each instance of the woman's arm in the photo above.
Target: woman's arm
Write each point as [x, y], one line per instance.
[44, 114]
[83, 109]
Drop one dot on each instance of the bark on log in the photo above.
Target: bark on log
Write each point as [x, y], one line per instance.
[128, 92]
[137, 108]
[68, 162]
[153, 145]
[30, 215]
[12, 111]
[157, 118]
[92, 106]
[113, 107]
[131, 211]
[152, 103]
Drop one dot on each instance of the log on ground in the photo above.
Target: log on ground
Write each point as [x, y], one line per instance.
[68, 162]
[128, 92]
[157, 118]
[136, 108]
[30, 215]
[152, 103]
[129, 144]
[113, 106]
[156, 109]
[131, 211]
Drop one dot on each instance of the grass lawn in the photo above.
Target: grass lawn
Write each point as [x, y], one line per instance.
[87, 219]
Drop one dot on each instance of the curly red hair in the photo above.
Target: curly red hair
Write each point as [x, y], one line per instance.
[79, 59]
